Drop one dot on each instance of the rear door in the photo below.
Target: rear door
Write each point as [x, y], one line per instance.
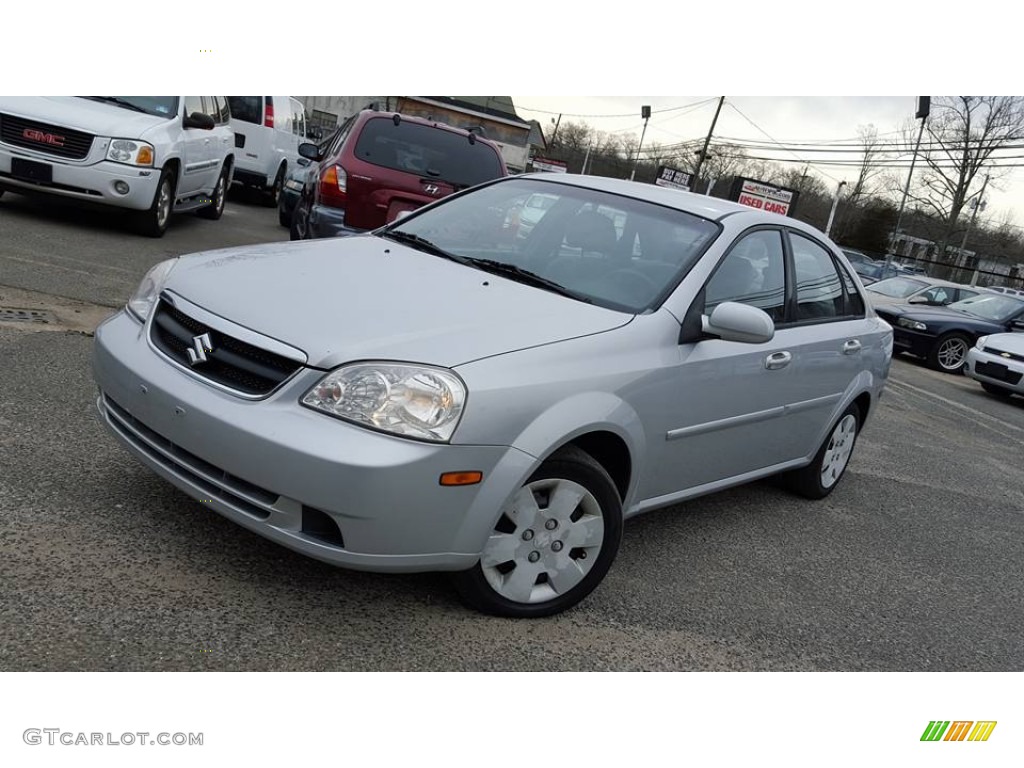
[196, 154]
[399, 167]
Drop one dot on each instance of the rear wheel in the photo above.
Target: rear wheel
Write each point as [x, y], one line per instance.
[554, 541]
[214, 210]
[274, 193]
[153, 221]
[949, 353]
[819, 478]
[299, 229]
[995, 389]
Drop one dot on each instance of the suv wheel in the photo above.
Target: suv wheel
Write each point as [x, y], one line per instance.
[216, 206]
[554, 541]
[153, 221]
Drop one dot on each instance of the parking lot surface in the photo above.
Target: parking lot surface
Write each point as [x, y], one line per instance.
[911, 564]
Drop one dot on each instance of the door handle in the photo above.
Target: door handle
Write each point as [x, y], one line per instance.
[777, 360]
[851, 347]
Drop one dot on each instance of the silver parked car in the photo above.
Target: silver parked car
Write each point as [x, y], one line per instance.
[438, 396]
[918, 289]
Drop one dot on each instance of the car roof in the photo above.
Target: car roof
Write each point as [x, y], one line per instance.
[690, 202]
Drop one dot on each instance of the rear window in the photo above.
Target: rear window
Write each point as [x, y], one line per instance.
[247, 108]
[427, 152]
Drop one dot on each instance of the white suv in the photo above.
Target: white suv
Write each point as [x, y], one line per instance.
[151, 154]
[268, 131]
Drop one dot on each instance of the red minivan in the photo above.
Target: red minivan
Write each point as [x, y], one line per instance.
[381, 164]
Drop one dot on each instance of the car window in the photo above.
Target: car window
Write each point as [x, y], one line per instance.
[964, 293]
[752, 273]
[990, 306]
[193, 104]
[427, 151]
[940, 294]
[897, 287]
[854, 301]
[819, 294]
[249, 109]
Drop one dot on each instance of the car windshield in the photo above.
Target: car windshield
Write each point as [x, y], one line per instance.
[614, 251]
[163, 106]
[897, 287]
[990, 307]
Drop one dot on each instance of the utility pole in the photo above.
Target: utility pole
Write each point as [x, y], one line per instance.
[645, 113]
[979, 203]
[586, 157]
[555, 132]
[704, 151]
[835, 204]
[923, 108]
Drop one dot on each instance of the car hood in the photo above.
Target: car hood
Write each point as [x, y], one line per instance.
[81, 114]
[362, 297]
[1007, 342]
[925, 314]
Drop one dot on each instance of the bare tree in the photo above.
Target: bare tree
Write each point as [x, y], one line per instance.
[962, 134]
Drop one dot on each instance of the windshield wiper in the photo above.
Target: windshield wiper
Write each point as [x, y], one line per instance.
[525, 276]
[119, 102]
[422, 244]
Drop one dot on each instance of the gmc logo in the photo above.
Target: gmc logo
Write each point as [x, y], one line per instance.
[43, 138]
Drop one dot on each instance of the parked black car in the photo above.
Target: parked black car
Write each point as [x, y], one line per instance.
[942, 335]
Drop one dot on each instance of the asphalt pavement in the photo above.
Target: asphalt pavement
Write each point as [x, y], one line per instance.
[911, 564]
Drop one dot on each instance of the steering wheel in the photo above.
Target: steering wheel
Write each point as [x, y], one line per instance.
[637, 285]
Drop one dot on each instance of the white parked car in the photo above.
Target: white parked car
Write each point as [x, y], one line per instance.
[997, 361]
[151, 154]
[268, 131]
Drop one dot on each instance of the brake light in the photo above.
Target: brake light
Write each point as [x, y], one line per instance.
[334, 187]
[268, 113]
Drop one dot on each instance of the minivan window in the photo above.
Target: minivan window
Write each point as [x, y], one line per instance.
[427, 151]
[248, 109]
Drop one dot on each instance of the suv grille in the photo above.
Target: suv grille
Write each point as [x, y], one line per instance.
[42, 137]
[232, 363]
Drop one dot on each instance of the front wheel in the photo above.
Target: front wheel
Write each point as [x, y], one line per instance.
[299, 229]
[214, 210]
[153, 221]
[950, 353]
[552, 544]
[819, 478]
[274, 193]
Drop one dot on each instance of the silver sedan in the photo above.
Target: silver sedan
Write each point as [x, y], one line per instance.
[440, 395]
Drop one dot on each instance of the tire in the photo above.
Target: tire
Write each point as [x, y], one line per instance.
[153, 221]
[819, 478]
[995, 389]
[214, 210]
[562, 550]
[284, 219]
[298, 229]
[949, 353]
[273, 194]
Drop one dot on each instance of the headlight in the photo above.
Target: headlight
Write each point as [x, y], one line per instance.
[904, 322]
[411, 400]
[130, 152]
[293, 184]
[980, 343]
[144, 299]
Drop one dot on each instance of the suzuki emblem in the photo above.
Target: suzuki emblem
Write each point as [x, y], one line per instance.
[200, 346]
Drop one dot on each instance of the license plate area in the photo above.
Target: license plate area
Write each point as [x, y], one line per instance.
[30, 170]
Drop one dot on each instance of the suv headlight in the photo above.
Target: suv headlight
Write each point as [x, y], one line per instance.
[904, 322]
[410, 400]
[144, 299]
[131, 152]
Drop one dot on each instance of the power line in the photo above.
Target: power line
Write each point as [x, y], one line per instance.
[762, 130]
[628, 114]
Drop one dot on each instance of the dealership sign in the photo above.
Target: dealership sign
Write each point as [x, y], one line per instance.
[673, 177]
[764, 196]
[542, 164]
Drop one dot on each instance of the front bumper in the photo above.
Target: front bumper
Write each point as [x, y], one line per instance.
[911, 342]
[88, 180]
[276, 467]
[997, 370]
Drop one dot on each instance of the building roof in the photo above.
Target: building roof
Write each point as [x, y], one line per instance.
[497, 106]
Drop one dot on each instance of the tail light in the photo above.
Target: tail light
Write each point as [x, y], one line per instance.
[268, 113]
[334, 187]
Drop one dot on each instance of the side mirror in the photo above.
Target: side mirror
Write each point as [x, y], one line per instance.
[309, 151]
[303, 162]
[919, 300]
[732, 321]
[199, 120]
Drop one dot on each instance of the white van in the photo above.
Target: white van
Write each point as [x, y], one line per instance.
[268, 131]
